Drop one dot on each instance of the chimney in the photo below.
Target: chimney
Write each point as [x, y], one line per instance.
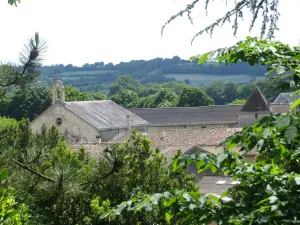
[128, 120]
[99, 138]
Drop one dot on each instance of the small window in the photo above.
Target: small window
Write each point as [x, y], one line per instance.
[58, 121]
[256, 116]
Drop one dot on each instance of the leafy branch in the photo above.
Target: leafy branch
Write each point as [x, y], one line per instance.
[268, 9]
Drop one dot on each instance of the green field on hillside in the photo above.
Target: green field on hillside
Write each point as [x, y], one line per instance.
[86, 72]
[197, 79]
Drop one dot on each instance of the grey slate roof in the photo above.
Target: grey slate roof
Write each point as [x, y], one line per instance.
[204, 115]
[210, 184]
[286, 98]
[256, 102]
[105, 114]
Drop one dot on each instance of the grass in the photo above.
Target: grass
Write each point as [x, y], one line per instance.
[206, 79]
[86, 72]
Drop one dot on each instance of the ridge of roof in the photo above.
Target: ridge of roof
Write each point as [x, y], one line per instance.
[194, 107]
[256, 100]
[90, 101]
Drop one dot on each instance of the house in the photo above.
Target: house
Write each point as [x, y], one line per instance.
[87, 121]
[286, 98]
[226, 116]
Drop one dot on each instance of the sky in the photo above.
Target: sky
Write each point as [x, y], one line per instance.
[88, 31]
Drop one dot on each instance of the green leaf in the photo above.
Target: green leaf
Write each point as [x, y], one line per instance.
[120, 208]
[203, 58]
[297, 180]
[3, 175]
[273, 199]
[283, 123]
[221, 157]
[295, 104]
[260, 144]
[11, 214]
[291, 133]
[186, 196]
[155, 198]
[168, 217]
[225, 194]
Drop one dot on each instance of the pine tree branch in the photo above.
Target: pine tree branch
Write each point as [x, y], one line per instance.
[33, 171]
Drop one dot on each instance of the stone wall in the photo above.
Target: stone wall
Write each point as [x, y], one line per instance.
[245, 119]
[70, 122]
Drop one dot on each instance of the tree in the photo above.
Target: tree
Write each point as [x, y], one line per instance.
[163, 96]
[28, 70]
[28, 103]
[142, 169]
[115, 88]
[245, 90]
[194, 96]
[216, 91]
[268, 9]
[238, 101]
[127, 98]
[127, 82]
[230, 91]
[281, 60]
[74, 94]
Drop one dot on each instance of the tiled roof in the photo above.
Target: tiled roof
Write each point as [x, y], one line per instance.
[185, 137]
[204, 115]
[104, 114]
[286, 98]
[256, 102]
[215, 184]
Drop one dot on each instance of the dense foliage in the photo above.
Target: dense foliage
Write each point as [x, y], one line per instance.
[10, 212]
[266, 191]
[47, 175]
[282, 61]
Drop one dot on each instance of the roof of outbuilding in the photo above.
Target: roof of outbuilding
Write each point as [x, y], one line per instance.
[185, 137]
[215, 184]
[286, 98]
[204, 115]
[256, 102]
[105, 114]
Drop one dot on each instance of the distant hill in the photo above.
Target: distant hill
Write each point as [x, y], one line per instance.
[99, 75]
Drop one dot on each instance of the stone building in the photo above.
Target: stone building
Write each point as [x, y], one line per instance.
[215, 116]
[87, 121]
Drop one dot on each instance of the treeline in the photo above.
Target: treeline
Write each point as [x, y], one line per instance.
[127, 92]
[144, 71]
[139, 68]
